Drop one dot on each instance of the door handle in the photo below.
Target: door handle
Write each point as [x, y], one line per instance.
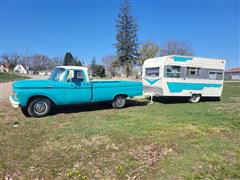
[50, 86]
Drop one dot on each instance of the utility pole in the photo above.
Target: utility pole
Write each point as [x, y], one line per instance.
[26, 57]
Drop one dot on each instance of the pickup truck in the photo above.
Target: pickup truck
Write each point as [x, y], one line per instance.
[70, 85]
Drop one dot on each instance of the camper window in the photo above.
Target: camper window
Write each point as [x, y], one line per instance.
[152, 71]
[192, 71]
[219, 76]
[173, 71]
[216, 75]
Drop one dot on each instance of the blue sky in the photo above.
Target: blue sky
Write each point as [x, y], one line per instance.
[87, 27]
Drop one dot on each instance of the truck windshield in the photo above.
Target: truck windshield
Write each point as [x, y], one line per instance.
[57, 74]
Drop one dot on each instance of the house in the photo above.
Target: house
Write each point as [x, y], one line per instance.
[232, 74]
[19, 68]
[4, 68]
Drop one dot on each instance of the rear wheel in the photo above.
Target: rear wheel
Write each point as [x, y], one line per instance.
[195, 98]
[119, 102]
[39, 107]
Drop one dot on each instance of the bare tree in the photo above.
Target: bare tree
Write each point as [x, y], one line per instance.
[109, 64]
[36, 62]
[12, 60]
[58, 61]
[148, 50]
[176, 47]
[41, 62]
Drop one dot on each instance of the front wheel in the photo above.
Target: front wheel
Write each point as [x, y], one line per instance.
[39, 107]
[195, 98]
[119, 102]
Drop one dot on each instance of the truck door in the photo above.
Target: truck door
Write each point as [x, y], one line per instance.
[79, 91]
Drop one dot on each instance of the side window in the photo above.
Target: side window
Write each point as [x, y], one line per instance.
[173, 71]
[192, 71]
[152, 71]
[219, 75]
[216, 75]
[212, 75]
[78, 76]
[75, 76]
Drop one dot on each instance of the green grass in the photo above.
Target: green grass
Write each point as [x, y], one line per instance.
[159, 141]
[6, 77]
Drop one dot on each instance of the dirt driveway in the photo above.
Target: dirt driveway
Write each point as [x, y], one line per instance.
[6, 88]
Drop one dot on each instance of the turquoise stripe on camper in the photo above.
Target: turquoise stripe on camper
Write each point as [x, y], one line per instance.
[176, 87]
[181, 59]
[151, 81]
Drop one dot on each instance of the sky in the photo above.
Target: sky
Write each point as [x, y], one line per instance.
[86, 28]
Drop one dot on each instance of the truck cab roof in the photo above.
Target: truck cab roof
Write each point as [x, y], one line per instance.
[74, 67]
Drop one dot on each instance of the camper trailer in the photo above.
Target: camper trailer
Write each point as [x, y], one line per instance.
[191, 77]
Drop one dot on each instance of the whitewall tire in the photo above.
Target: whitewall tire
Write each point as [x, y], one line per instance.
[195, 98]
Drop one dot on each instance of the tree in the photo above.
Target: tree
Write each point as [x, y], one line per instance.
[58, 61]
[68, 59]
[99, 70]
[40, 62]
[77, 62]
[148, 50]
[126, 37]
[93, 66]
[177, 48]
[13, 59]
[109, 64]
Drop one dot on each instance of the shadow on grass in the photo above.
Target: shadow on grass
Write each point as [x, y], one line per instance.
[180, 100]
[91, 107]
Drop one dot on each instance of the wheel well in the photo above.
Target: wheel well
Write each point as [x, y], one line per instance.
[39, 96]
[124, 95]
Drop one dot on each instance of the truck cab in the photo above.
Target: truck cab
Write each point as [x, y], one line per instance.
[70, 85]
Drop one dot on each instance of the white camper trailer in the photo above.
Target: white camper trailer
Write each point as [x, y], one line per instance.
[191, 77]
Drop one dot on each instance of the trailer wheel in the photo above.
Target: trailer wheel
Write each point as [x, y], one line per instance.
[39, 107]
[195, 98]
[119, 102]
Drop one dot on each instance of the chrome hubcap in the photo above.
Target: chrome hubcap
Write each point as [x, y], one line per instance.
[40, 107]
[195, 98]
[120, 101]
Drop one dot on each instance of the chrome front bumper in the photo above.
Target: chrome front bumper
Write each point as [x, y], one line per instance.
[14, 102]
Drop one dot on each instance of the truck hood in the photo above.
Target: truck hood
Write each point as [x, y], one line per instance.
[36, 84]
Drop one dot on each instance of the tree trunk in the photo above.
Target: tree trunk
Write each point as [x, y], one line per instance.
[127, 69]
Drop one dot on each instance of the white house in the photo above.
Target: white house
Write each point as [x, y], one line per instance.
[3, 68]
[20, 69]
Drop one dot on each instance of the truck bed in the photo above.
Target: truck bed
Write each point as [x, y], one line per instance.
[107, 90]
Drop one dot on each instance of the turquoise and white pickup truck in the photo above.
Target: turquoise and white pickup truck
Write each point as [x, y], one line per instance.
[70, 85]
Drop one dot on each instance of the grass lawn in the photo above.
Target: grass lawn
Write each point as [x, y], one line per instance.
[6, 77]
[158, 141]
